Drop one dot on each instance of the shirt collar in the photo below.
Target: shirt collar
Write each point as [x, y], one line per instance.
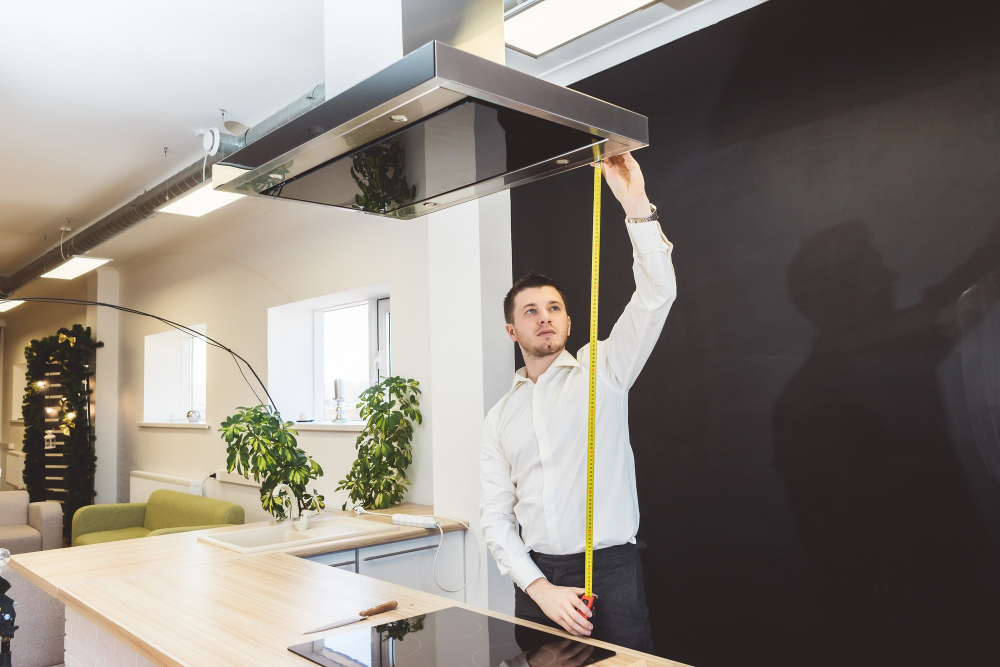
[564, 359]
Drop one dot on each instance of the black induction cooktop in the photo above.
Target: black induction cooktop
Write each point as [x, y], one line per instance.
[452, 637]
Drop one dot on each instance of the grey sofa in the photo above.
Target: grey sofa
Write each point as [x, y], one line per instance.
[26, 527]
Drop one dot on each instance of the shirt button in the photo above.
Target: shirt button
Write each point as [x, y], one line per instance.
[549, 476]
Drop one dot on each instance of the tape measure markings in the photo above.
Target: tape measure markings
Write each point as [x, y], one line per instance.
[595, 264]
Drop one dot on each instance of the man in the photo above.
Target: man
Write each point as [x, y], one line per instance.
[534, 453]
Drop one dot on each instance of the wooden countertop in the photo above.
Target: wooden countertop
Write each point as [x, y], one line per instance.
[53, 570]
[183, 603]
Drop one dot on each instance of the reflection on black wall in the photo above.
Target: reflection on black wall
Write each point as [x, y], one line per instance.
[816, 433]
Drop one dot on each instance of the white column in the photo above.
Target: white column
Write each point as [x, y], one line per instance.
[102, 285]
[359, 39]
[472, 361]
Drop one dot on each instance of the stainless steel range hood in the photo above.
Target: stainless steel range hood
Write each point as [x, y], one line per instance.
[437, 128]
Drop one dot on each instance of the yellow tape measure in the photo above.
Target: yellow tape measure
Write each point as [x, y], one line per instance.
[595, 268]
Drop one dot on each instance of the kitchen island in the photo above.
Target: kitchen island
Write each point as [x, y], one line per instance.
[173, 600]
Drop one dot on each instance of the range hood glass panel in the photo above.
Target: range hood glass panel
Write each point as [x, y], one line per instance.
[466, 144]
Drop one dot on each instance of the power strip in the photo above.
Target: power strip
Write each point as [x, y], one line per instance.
[418, 521]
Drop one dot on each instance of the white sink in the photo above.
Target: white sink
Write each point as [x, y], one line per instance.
[266, 538]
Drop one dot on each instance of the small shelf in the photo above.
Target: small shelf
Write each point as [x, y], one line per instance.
[201, 425]
[353, 426]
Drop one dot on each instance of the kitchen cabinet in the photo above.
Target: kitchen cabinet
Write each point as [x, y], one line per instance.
[342, 560]
[410, 563]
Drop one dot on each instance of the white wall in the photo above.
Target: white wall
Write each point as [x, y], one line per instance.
[288, 253]
[103, 287]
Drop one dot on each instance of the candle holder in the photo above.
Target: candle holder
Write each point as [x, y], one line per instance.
[339, 417]
[338, 400]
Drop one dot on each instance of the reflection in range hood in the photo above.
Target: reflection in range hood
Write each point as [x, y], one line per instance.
[437, 128]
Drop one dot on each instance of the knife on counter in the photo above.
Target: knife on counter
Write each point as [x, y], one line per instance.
[363, 615]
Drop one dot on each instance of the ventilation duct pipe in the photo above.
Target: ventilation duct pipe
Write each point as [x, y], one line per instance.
[145, 206]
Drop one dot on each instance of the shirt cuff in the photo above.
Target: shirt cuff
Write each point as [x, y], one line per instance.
[524, 571]
[647, 237]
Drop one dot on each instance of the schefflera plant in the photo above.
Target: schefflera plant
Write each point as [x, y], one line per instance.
[260, 445]
[378, 477]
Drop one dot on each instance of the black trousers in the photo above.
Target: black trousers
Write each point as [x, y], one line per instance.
[620, 615]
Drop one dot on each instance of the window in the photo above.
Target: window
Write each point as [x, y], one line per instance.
[353, 348]
[315, 342]
[345, 358]
[175, 376]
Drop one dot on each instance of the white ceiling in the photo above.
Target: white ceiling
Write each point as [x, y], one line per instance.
[91, 92]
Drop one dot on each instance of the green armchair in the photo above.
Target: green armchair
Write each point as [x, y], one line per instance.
[165, 512]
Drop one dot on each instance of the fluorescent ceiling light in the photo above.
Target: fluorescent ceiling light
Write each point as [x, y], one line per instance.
[76, 266]
[549, 24]
[199, 201]
[7, 305]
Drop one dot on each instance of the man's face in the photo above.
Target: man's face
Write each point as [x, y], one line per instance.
[541, 324]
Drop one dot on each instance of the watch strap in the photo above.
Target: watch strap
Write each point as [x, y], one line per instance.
[653, 215]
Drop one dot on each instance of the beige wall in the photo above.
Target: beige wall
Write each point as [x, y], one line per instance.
[228, 281]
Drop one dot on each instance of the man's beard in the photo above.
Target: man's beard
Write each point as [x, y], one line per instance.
[546, 349]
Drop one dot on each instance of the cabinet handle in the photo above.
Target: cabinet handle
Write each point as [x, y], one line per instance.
[346, 562]
[399, 553]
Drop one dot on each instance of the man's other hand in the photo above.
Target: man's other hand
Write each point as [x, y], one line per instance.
[563, 605]
[626, 182]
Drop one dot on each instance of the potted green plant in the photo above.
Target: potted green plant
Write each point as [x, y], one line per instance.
[378, 477]
[260, 445]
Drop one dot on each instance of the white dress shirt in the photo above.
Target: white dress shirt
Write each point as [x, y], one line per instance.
[534, 455]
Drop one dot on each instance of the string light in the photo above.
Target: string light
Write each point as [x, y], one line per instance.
[70, 416]
[50, 410]
[40, 384]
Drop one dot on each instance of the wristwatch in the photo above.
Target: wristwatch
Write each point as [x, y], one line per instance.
[653, 215]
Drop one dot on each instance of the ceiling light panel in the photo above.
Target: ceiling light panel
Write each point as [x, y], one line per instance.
[7, 305]
[76, 266]
[199, 201]
[549, 24]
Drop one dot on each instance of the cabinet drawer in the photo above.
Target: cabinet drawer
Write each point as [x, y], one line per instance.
[344, 560]
[410, 563]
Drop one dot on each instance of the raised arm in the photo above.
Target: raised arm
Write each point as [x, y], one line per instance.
[635, 333]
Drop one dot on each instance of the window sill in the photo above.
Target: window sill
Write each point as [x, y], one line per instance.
[353, 426]
[17, 421]
[201, 425]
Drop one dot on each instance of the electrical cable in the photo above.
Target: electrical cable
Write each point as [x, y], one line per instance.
[180, 327]
[479, 553]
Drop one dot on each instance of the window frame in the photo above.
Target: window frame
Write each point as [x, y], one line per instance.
[378, 353]
[186, 376]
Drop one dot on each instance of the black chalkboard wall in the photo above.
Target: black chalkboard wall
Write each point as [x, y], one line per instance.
[816, 433]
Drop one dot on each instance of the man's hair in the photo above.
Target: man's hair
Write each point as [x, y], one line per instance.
[527, 282]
